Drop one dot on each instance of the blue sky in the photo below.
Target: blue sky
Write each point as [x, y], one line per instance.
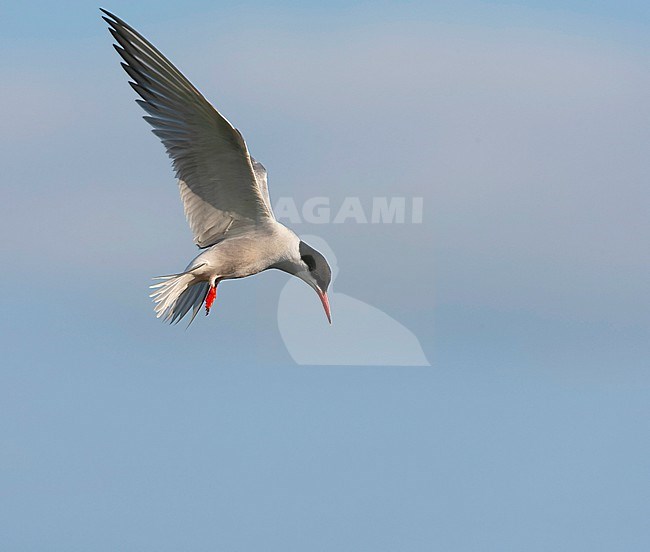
[524, 126]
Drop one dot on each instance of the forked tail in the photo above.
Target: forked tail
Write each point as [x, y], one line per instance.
[176, 294]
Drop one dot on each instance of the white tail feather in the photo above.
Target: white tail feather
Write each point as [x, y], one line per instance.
[175, 295]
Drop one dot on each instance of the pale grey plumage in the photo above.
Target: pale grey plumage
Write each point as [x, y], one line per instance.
[262, 183]
[224, 190]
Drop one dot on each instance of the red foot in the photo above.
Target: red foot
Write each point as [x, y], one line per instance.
[212, 294]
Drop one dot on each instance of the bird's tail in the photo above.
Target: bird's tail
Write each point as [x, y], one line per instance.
[176, 294]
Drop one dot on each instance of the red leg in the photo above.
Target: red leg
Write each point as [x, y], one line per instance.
[212, 294]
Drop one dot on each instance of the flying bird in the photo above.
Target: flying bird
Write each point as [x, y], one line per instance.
[223, 188]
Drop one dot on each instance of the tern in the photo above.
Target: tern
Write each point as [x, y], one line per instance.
[223, 188]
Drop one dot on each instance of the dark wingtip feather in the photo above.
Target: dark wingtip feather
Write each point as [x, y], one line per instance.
[119, 50]
[119, 25]
[114, 19]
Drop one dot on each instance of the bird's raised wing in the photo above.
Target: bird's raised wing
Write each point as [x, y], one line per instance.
[220, 186]
[260, 176]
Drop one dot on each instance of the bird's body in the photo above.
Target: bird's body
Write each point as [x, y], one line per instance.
[238, 256]
[231, 258]
[223, 189]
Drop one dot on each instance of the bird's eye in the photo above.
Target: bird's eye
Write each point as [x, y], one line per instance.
[309, 261]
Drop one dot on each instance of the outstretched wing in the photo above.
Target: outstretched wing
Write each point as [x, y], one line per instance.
[262, 184]
[219, 182]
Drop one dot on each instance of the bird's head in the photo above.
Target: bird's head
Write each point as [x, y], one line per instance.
[311, 267]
